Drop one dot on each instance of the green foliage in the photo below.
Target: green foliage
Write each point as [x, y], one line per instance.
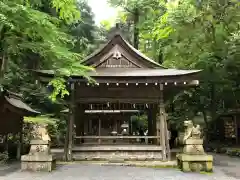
[59, 88]
[56, 128]
[206, 31]
[106, 24]
[43, 35]
[67, 10]
[3, 157]
[139, 121]
[149, 12]
[190, 34]
[40, 120]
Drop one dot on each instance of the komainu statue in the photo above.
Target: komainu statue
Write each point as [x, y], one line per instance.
[191, 132]
[39, 157]
[193, 144]
[193, 157]
[40, 133]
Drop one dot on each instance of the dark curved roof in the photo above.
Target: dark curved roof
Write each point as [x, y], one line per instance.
[16, 101]
[118, 58]
[118, 39]
[128, 72]
[20, 104]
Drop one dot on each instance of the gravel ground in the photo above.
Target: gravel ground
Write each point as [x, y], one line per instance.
[225, 168]
[228, 165]
[97, 172]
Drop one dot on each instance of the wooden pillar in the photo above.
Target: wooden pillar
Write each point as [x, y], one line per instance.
[154, 123]
[71, 123]
[161, 120]
[66, 139]
[158, 128]
[99, 130]
[19, 149]
[130, 126]
[168, 152]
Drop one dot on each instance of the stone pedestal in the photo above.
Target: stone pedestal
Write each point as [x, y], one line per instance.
[39, 157]
[195, 163]
[193, 157]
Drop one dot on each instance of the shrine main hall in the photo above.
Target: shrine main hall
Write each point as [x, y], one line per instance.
[126, 83]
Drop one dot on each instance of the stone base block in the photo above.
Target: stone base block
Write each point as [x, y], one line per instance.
[117, 155]
[195, 163]
[193, 149]
[38, 163]
[194, 141]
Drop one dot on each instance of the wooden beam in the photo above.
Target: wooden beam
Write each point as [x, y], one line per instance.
[141, 80]
[168, 152]
[71, 123]
[162, 123]
[99, 130]
[66, 140]
[117, 137]
[115, 100]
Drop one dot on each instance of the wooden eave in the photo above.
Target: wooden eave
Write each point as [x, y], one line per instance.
[129, 76]
[14, 102]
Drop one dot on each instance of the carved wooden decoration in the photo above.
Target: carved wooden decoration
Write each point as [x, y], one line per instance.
[117, 54]
[116, 58]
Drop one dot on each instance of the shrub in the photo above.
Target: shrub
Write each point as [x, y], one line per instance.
[3, 157]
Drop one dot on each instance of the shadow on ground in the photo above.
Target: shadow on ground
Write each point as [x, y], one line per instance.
[9, 168]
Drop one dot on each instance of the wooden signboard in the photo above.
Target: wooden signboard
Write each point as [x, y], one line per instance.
[229, 127]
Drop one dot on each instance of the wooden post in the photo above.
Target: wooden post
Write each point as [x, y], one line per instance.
[167, 139]
[77, 121]
[19, 150]
[66, 140]
[154, 128]
[162, 123]
[99, 130]
[158, 128]
[71, 123]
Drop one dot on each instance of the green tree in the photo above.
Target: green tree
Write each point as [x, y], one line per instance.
[191, 34]
[138, 18]
[27, 34]
[198, 35]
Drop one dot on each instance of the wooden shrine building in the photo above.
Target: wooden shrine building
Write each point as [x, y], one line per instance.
[12, 112]
[126, 80]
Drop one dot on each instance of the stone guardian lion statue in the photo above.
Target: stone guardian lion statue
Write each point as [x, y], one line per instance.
[40, 132]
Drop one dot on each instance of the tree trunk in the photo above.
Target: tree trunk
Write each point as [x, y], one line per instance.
[136, 29]
[206, 133]
[2, 52]
[205, 118]
[213, 101]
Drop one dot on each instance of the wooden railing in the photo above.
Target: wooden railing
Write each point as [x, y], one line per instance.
[115, 138]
